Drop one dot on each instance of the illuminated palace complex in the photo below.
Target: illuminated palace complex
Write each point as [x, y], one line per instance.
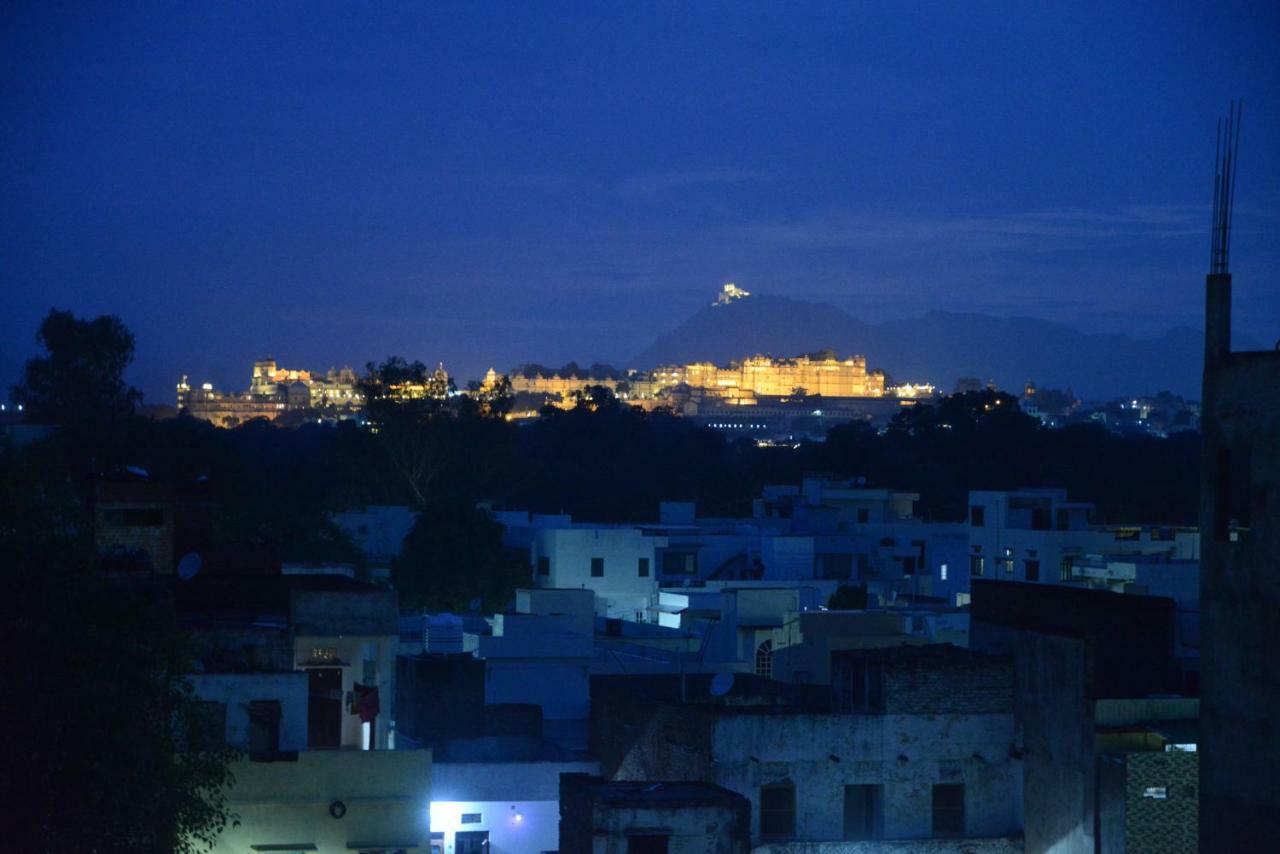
[275, 392]
[740, 383]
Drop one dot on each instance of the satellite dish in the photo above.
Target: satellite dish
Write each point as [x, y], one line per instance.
[189, 566]
[721, 684]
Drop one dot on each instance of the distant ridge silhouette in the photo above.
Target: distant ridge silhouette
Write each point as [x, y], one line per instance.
[940, 347]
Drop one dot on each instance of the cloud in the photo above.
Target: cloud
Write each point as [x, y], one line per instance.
[650, 186]
[1046, 229]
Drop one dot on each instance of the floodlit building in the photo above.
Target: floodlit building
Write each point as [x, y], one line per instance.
[331, 802]
[500, 794]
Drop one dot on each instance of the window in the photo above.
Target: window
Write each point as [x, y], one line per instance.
[909, 565]
[977, 516]
[134, 517]
[864, 515]
[1064, 571]
[778, 810]
[829, 566]
[976, 564]
[642, 567]
[948, 809]
[264, 726]
[652, 844]
[544, 565]
[679, 563]
[942, 572]
[1031, 569]
[1006, 563]
[858, 687]
[597, 567]
[861, 809]
[471, 818]
[764, 660]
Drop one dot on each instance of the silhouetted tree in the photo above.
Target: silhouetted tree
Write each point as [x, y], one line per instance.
[81, 377]
[112, 751]
[403, 422]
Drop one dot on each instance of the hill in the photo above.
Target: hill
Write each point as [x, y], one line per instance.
[940, 347]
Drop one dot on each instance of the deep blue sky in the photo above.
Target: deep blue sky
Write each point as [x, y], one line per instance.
[488, 184]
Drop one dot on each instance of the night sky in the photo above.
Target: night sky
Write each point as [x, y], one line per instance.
[490, 184]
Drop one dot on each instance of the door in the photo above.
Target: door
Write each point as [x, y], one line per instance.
[471, 842]
[324, 707]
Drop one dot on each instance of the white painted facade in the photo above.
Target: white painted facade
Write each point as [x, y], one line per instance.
[516, 803]
[237, 690]
[1039, 536]
[618, 564]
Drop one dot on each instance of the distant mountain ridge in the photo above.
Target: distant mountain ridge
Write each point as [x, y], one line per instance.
[940, 347]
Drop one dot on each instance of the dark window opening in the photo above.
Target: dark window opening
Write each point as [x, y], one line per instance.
[679, 563]
[642, 567]
[134, 517]
[861, 811]
[544, 565]
[977, 516]
[859, 687]
[778, 810]
[948, 809]
[597, 567]
[833, 566]
[864, 515]
[1232, 500]
[264, 726]
[1031, 569]
[649, 844]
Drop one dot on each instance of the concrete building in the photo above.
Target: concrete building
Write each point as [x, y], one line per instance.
[821, 534]
[379, 530]
[331, 802]
[502, 792]
[1089, 664]
[265, 642]
[616, 563]
[612, 817]
[141, 525]
[1240, 585]
[1037, 535]
[910, 743]
[528, 675]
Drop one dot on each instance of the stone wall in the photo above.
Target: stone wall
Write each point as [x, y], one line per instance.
[1162, 825]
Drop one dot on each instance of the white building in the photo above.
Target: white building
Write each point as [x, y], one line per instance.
[1037, 535]
[616, 563]
[503, 793]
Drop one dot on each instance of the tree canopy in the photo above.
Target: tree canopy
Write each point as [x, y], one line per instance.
[81, 376]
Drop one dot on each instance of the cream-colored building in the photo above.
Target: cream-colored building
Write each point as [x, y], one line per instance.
[763, 376]
[333, 802]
